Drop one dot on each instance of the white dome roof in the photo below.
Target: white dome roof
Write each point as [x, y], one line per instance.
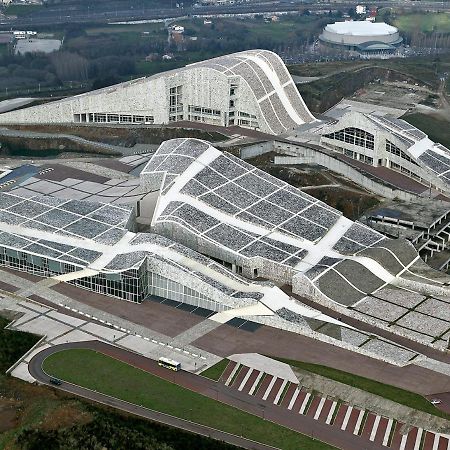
[361, 28]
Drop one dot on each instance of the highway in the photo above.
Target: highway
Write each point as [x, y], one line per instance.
[61, 14]
[217, 391]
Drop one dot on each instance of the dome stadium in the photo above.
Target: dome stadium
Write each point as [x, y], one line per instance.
[363, 36]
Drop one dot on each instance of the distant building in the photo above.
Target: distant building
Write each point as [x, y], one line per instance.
[252, 89]
[37, 46]
[361, 9]
[362, 37]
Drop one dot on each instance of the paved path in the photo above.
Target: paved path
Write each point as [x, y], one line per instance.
[268, 410]
[345, 418]
[35, 368]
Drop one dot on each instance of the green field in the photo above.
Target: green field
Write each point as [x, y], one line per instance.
[425, 23]
[214, 372]
[436, 128]
[93, 370]
[22, 10]
[393, 393]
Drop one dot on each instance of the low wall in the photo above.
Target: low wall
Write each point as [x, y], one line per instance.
[310, 156]
[256, 149]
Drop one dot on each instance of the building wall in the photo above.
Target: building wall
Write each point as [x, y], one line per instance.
[264, 98]
[380, 156]
[346, 39]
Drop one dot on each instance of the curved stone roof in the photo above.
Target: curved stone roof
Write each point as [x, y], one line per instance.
[269, 80]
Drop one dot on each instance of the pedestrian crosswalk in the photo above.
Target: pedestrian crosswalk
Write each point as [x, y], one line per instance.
[370, 426]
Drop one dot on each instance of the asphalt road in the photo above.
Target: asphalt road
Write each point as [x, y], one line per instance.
[218, 391]
[81, 14]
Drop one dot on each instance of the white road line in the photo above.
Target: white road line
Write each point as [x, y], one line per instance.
[247, 376]
[277, 397]
[359, 422]
[387, 433]
[346, 417]
[305, 402]
[269, 388]
[418, 438]
[258, 378]
[437, 436]
[319, 408]
[294, 398]
[403, 442]
[374, 428]
[330, 414]
[232, 374]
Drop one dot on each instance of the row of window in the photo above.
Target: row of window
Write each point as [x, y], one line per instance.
[358, 156]
[394, 150]
[354, 136]
[116, 118]
[404, 170]
[202, 110]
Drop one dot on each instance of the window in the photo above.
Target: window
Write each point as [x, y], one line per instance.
[175, 102]
[354, 136]
[394, 150]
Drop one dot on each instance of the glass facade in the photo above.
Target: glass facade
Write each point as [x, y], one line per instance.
[133, 285]
[354, 136]
[394, 150]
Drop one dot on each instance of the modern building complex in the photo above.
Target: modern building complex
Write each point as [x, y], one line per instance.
[362, 37]
[216, 226]
[251, 89]
[390, 142]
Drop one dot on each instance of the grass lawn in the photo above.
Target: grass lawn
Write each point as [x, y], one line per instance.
[436, 128]
[216, 370]
[393, 393]
[22, 10]
[104, 374]
[13, 344]
[426, 23]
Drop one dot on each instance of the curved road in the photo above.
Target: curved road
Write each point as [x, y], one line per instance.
[217, 391]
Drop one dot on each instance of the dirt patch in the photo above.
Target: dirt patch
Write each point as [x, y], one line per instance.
[8, 415]
[123, 136]
[351, 204]
[65, 415]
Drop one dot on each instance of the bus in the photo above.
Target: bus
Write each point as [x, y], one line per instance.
[169, 364]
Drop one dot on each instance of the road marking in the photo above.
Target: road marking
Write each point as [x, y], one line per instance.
[319, 408]
[374, 428]
[269, 388]
[330, 414]
[277, 398]
[232, 374]
[436, 441]
[155, 342]
[305, 402]
[346, 417]
[437, 437]
[403, 442]
[294, 398]
[358, 422]
[388, 432]
[418, 438]
[247, 376]
[258, 378]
